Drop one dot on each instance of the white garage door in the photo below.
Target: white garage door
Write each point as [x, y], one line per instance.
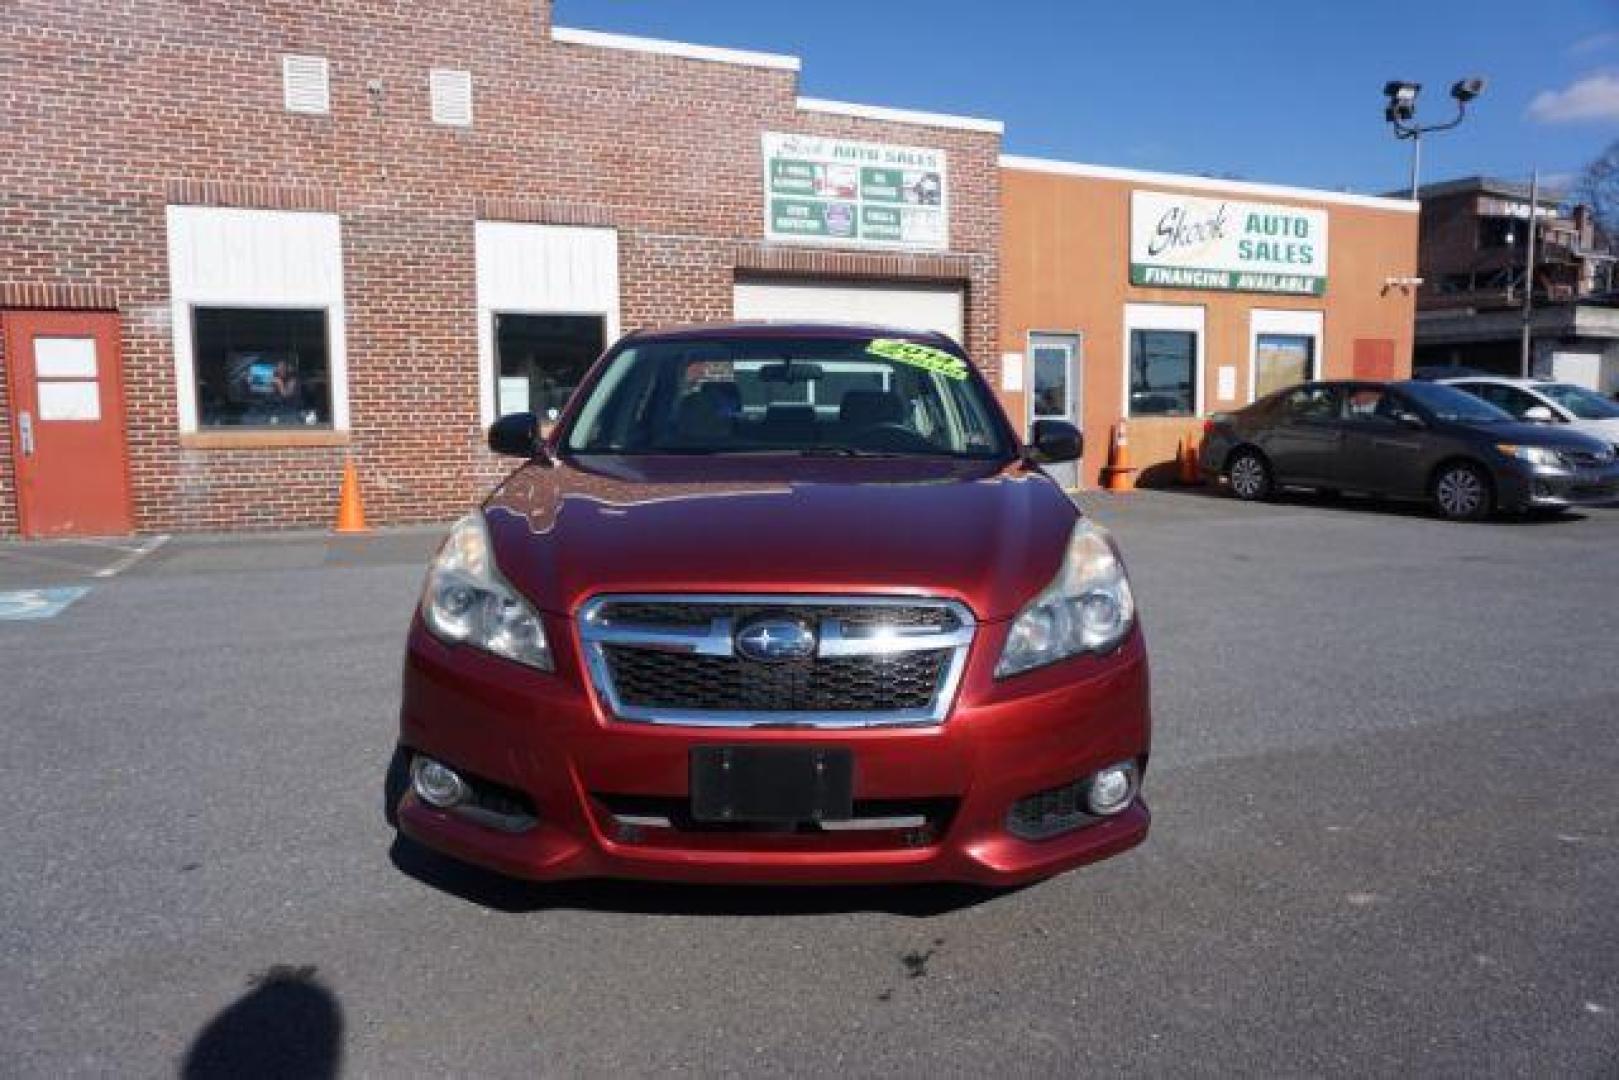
[909, 307]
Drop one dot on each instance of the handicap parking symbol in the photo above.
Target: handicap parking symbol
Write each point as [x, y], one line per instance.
[23, 604]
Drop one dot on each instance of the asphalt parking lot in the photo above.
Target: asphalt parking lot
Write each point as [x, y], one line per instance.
[1386, 839]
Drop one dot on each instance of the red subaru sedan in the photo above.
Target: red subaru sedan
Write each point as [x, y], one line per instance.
[777, 604]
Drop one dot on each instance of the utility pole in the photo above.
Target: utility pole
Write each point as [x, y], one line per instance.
[1529, 272]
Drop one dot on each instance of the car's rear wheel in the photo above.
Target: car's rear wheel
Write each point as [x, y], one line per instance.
[1462, 492]
[1250, 475]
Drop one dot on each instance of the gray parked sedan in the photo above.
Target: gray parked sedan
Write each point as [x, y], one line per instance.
[1415, 440]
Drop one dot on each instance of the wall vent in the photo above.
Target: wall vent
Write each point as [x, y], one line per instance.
[451, 92]
[306, 84]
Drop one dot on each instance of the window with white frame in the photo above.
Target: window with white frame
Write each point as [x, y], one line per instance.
[1285, 349]
[1163, 360]
[258, 319]
[547, 306]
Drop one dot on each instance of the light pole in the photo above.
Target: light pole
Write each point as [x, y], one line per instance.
[1401, 113]
[1525, 345]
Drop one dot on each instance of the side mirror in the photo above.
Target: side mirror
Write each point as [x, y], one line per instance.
[1539, 414]
[516, 435]
[1052, 441]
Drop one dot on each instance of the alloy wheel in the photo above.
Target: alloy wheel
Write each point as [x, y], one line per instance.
[1248, 477]
[1460, 492]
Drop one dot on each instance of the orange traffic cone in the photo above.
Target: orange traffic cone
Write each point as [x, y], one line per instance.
[1190, 474]
[1119, 475]
[350, 510]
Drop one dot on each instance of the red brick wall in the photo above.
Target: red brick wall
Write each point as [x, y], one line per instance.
[121, 104]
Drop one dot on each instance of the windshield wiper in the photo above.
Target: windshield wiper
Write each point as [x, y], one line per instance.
[803, 451]
[842, 451]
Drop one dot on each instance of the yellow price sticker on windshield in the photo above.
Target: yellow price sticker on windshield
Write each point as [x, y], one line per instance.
[925, 357]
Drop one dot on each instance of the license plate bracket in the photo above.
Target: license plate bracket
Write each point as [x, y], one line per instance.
[776, 785]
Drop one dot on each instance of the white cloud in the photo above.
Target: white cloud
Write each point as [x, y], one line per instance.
[1594, 43]
[1595, 97]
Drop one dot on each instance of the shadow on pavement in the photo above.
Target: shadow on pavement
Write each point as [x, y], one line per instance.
[1370, 504]
[654, 898]
[287, 1025]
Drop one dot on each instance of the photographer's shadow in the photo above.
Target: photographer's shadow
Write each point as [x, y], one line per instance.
[286, 1025]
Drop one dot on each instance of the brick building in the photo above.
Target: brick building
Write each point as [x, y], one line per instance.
[1474, 264]
[247, 240]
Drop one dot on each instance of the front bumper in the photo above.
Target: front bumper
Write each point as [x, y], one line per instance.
[588, 776]
[1525, 487]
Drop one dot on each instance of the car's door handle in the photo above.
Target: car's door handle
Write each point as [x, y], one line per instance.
[25, 432]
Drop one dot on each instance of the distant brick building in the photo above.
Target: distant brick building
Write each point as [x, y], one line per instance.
[249, 239]
[1474, 264]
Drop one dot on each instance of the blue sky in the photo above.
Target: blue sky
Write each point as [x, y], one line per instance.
[1286, 93]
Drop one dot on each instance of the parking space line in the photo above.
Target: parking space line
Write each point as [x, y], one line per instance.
[136, 554]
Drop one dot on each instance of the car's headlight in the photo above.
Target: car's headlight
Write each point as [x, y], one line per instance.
[1534, 455]
[1087, 608]
[465, 601]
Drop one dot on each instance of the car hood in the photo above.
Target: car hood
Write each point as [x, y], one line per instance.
[1606, 430]
[990, 534]
[1559, 437]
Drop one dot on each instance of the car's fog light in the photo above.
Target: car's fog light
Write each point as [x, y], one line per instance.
[1111, 789]
[437, 785]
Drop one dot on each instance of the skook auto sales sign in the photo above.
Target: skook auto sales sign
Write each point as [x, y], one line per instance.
[855, 194]
[1188, 242]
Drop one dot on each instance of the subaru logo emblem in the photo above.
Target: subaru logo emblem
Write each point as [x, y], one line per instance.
[773, 639]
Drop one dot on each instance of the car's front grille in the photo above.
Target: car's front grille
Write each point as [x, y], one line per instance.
[1582, 459]
[687, 613]
[652, 678]
[870, 660]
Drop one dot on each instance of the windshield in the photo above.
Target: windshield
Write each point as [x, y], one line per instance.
[742, 395]
[1453, 405]
[1583, 403]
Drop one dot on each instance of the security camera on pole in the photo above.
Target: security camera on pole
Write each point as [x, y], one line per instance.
[1401, 113]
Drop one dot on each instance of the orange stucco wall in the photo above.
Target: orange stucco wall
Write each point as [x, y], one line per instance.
[1065, 268]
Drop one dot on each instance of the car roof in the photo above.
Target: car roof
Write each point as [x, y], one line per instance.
[1500, 380]
[1340, 384]
[785, 329]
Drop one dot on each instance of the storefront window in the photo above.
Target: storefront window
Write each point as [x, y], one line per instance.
[1282, 360]
[1163, 371]
[540, 359]
[261, 368]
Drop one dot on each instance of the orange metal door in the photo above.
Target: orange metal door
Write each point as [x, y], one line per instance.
[67, 423]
